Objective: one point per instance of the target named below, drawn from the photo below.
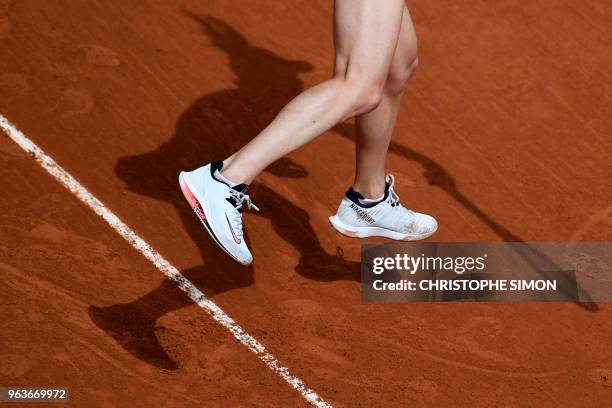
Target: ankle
(371, 192)
(234, 175)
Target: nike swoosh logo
(236, 239)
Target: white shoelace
(393, 199)
(240, 198)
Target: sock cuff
(224, 179)
(372, 200)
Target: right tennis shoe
(359, 218)
(219, 206)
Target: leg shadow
(134, 325)
(213, 127)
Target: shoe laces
(239, 199)
(393, 199)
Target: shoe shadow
(213, 127)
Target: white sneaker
(219, 206)
(387, 218)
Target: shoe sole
(200, 212)
(365, 232)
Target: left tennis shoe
(218, 205)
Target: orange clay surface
(503, 135)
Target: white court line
(159, 261)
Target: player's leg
(371, 207)
(374, 129)
(365, 34)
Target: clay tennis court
(504, 135)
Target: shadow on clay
(213, 127)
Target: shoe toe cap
(241, 253)
(246, 258)
(425, 224)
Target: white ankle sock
(221, 177)
(373, 200)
